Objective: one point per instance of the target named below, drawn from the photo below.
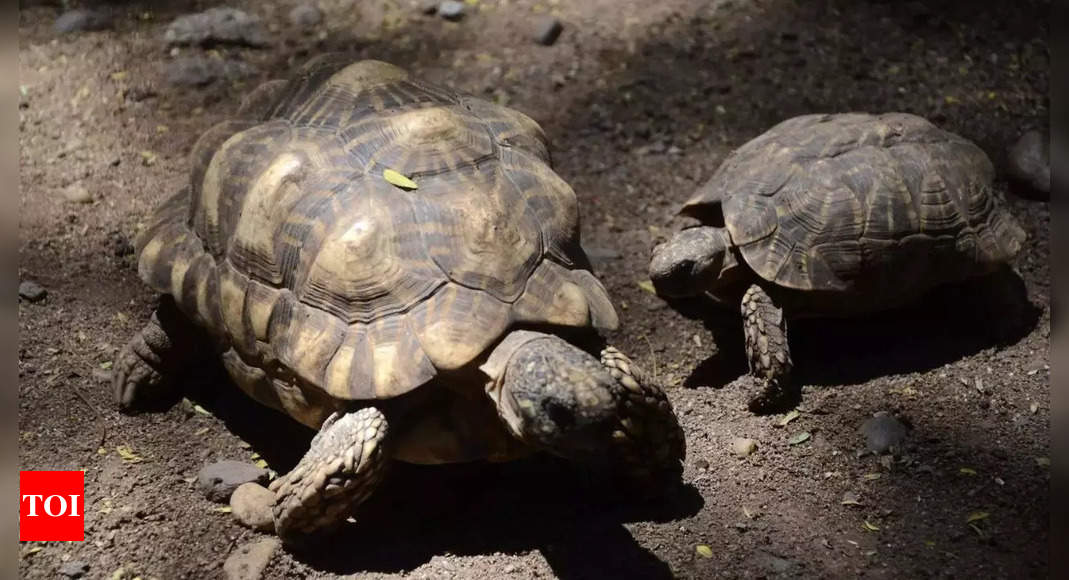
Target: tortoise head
(694, 261)
(558, 398)
(552, 395)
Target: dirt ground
(641, 101)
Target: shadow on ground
(949, 323)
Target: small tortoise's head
(694, 261)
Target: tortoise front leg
(341, 469)
(649, 438)
(765, 329)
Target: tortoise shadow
(516, 507)
(480, 508)
(947, 324)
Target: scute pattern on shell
(854, 201)
(312, 268)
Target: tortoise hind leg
(765, 329)
(148, 369)
(341, 469)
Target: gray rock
(451, 10)
(219, 480)
(743, 447)
(74, 569)
(1029, 163)
(32, 291)
(200, 71)
(883, 432)
(83, 20)
(251, 506)
(248, 562)
(220, 25)
(306, 15)
(547, 30)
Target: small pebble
(251, 506)
(219, 480)
(743, 447)
(883, 432)
(1029, 163)
(83, 20)
(248, 562)
(547, 30)
(74, 569)
(451, 10)
(77, 193)
(32, 291)
(306, 15)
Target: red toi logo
(51, 506)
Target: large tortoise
(834, 215)
(396, 265)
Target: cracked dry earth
(641, 102)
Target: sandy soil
(641, 101)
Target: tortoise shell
(854, 202)
(327, 282)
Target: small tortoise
(396, 265)
(835, 215)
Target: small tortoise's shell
(314, 269)
(854, 201)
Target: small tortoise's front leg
(765, 329)
(341, 469)
(149, 366)
(649, 439)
